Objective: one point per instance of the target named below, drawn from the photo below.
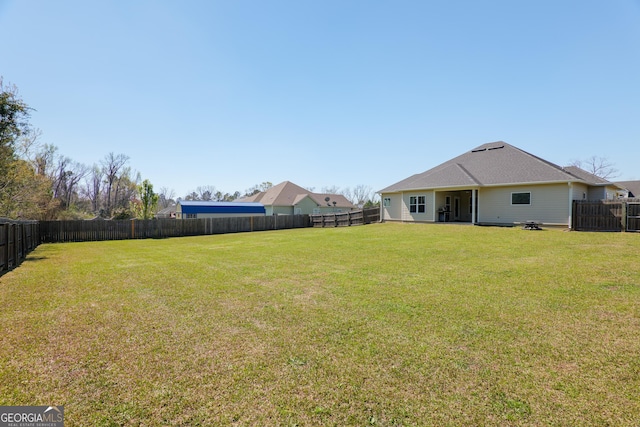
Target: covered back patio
(456, 205)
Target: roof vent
(477, 150)
(496, 148)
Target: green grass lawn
(384, 325)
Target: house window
(417, 204)
(386, 202)
(192, 216)
(521, 198)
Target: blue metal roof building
(187, 209)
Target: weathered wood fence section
(17, 239)
(83, 231)
(345, 219)
(606, 215)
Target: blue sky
(325, 93)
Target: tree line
(38, 182)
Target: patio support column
(473, 206)
(434, 207)
(570, 204)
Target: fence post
(623, 215)
(4, 249)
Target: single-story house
(494, 184)
(192, 209)
(166, 213)
(632, 187)
(288, 198)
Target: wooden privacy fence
(345, 219)
(606, 215)
(17, 239)
(83, 231)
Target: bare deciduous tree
(598, 166)
(206, 192)
(258, 188)
(71, 178)
(166, 197)
(360, 194)
(93, 187)
(111, 167)
(334, 189)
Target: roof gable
(289, 194)
(283, 194)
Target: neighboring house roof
(632, 186)
(321, 199)
(199, 206)
(586, 176)
(167, 211)
(289, 194)
(494, 163)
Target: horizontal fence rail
(345, 219)
(606, 215)
(17, 239)
(97, 230)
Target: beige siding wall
(600, 193)
(549, 204)
(427, 215)
(580, 191)
(393, 212)
(280, 210)
(611, 192)
(596, 193)
(306, 206)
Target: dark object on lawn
(531, 225)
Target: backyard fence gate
(606, 215)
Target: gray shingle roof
(494, 163)
(632, 186)
(289, 194)
(585, 176)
